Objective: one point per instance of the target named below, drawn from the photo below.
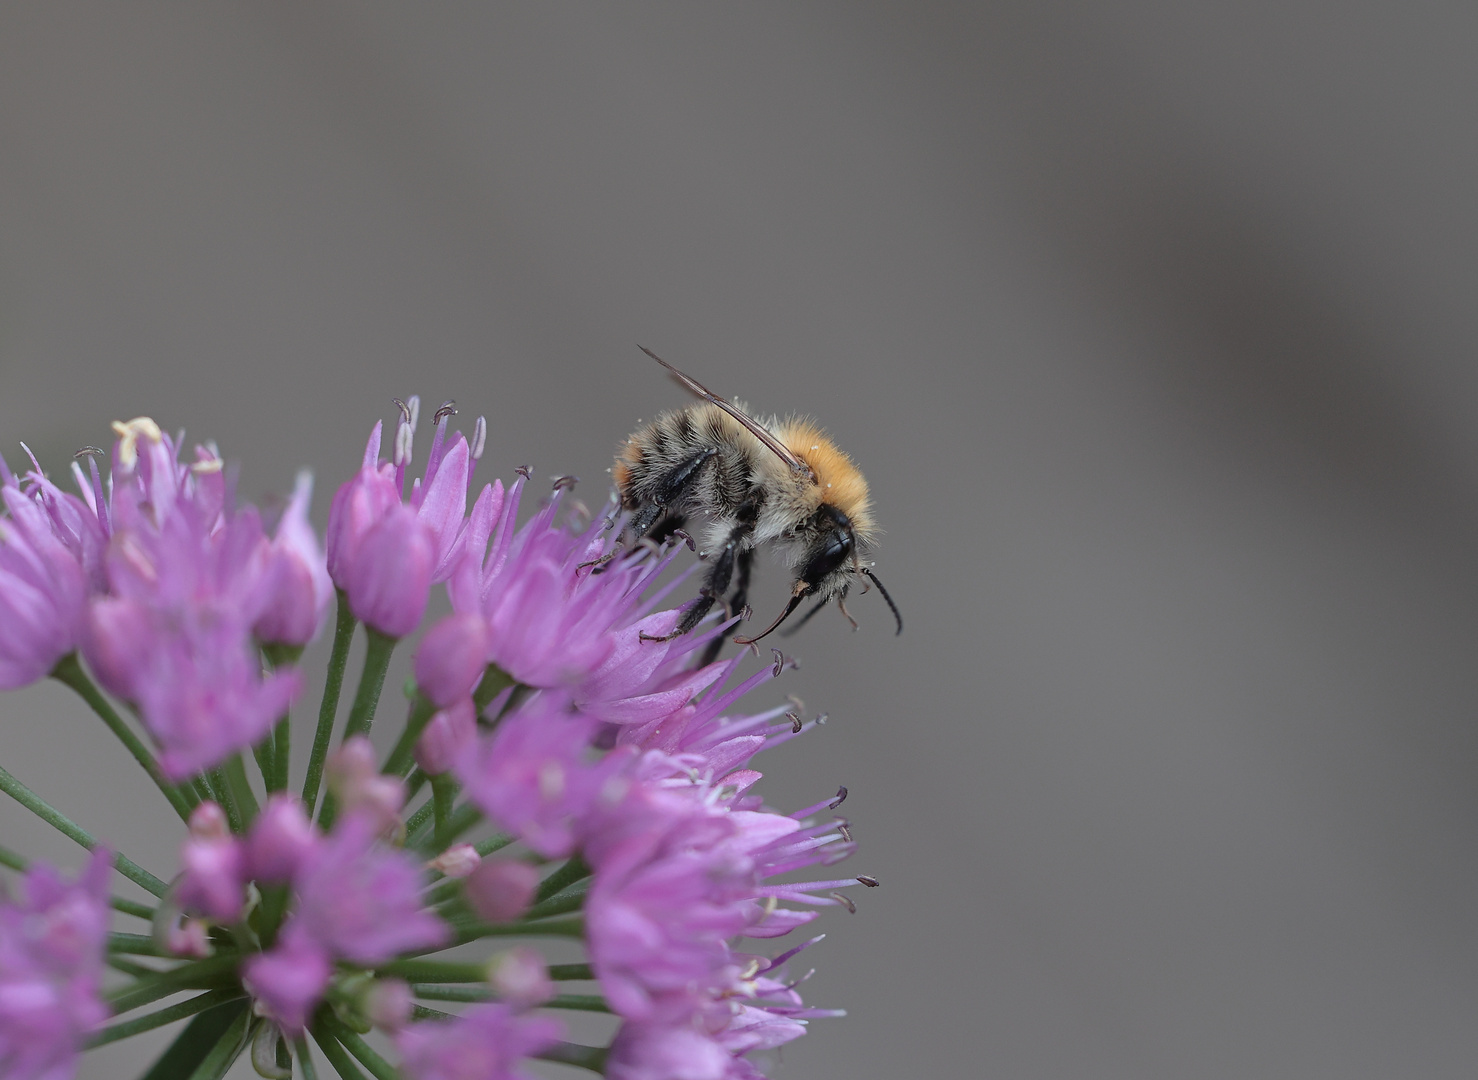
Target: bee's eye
(834, 550)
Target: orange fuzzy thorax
(839, 482)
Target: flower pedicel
(569, 770)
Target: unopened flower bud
(358, 784)
(387, 1003)
(521, 978)
(457, 861)
(282, 839)
(451, 658)
(188, 938)
(214, 877)
(445, 737)
(501, 889)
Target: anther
(89, 451)
(567, 481)
(479, 437)
(844, 829)
(868, 880)
(846, 902)
(525, 471)
(405, 410)
(744, 615)
(779, 662)
(841, 798)
(796, 703)
(405, 436)
(823, 718)
(795, 723)
(679, 534)
(448, 409)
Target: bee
(740, 483)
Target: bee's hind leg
(715, 584)
(739, 601)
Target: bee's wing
(758, 430)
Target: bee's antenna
(795, 601)
(805, 618)
(891, 606)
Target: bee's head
(827, 562)
(829, 556)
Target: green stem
(38, 806)
(563, 904)
(403, 756)
(164, 1016)
(136, 945)
(198, 975)
(420, 1012)
(378, 1066)
(337, 1056)
(266, 754)
(226, 798)
(561, 972)
(458, 821)
(128, 967)
(414, 783)
(377, 650)
(68, 671)
(443, 795)
(328, 708)
(241, 792)
(415, 821)
(585, 1057)
(304, 1058)
(575, 1002)
(282, 745)
(468, 931)
(218, 1061)
(128, 907)
(573, 870)
(494, 681)
(435, 971)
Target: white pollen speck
(815, 448)
(828, 485)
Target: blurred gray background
(1151, 323)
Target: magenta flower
(487, 1042)
(289, 982)
(361, 900)
(451, 658)
(296, 579)
(52, 942)
(384, 554)
(552, 620)
(537, 773)
(214, 867)
(43, 593)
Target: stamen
(846, 902)
(448, 409)
(89, 450)
(868, 880)
(525, 471)
(479, 437)
(841, 798)
(844, 829)
(566, 481)
(795, 722)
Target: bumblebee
(738, 483)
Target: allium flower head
(52, 941)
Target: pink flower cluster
(52, 939)
(165, 587)
(554, 706)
